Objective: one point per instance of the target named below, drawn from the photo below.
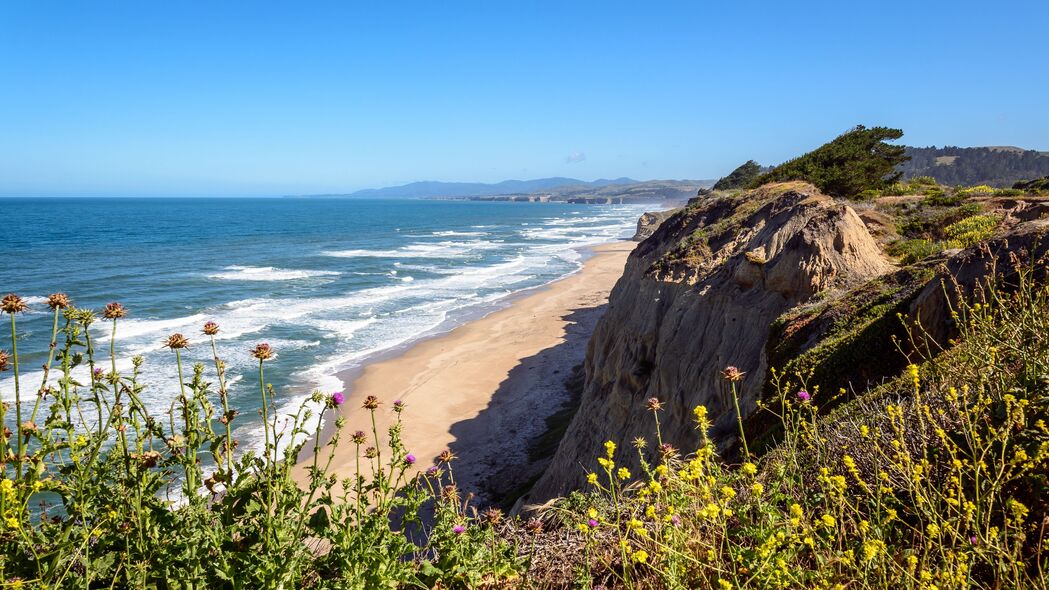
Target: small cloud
(575, 158)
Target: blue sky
(267, 98)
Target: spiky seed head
(534, 526)
(262, 351)
(176, 341)
(653, 404)
(58, 301)
(446, 456)
(492, 515)
(371, 402)
(12, 304)
(5, 359)
(211, 328)
(732, 374)
(114, 311)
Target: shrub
(741, 177)
(972, 230)
(855, 161)
(911, 251)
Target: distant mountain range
(431, 188)
(998, 166)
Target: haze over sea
(327, 282)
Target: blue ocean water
(327, 283)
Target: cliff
(783, 277)
(697, 296)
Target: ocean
(328, 283)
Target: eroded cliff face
(699, 295)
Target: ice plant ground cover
(936, 479)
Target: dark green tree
(740, 177)
(855, 161)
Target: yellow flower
(610, 448)
(12, 523)
(724, 585)
(592, 512)
(701, 413)
(808, 541)
(728, 492)
(795, 510)
(757, 489)
(828, 520)
(604, 463)
(932, 529)
(583, 527)
(591, 478)
(650, 512)
(661, 470)
(865, 430)
(872, 548)
(7, 486)
(750, 468)
(655, 486)
(623, 473)
(640, 556)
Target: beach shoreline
(485, 388)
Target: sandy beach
(485, 389)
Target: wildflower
(732, 374)
(872, 549)
(675, 520)
(667, 450)
(446, 456)
(371, 453)
(592, 523)
(176, 341)
(804, 396)
(114, 311)
(828, 520)
(750, 468)
(5, 359)
(459, 529)
(13, 304)
(655, 487)
(728, 492)
(7, 486)
(337, 399)
(639, 443)
(701, 413)
(650, 511)
(262, 351)
(591, 478)
(653, 404)
(610, 448)
(211, 328)
(724, 584)
(409, 459)
(757, 489)
(661, 470)
(398, 406)
(932, 529)
(623, 473)
(795, 511)
(359, 437)
(58, 301)
(371, 402)
(640, 556)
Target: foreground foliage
(935, 480)
(98, 492)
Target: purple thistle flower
(409, 459)
(432, 470)
(592, 523)
(676, 520)
(337, 399)
(459, 529)
(804, 395)
(398, 406)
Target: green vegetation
(91, 481)
(972, 230)
(741, 177)
(935, 480)
(1036, 185)
(994, 166)
(852, 163)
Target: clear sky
(267, 98)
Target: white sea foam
(268, 273)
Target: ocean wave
(268, 273)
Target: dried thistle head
(640, 443)
(114, 311)
(446, 456)
(5, 359)
(534, 526)
(667, 450)
(58, 301)
(176, 341)
(359, 437)
(492, 515)
(732, 374)
(371, 402)
(398, 406)
(262, 351)
(450, 492)
(371, 453)
(211, 328)
(12, 304)
(653, 404)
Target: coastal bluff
(780, 276)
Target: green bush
(972, 230)
(911, 251)
(855, 161)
